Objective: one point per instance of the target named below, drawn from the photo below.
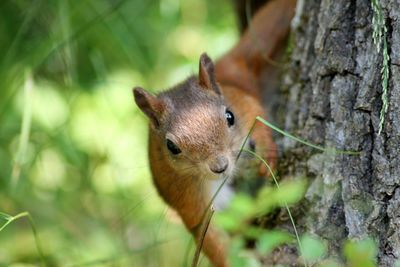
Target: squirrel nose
(219, 165)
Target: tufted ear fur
(149, 104)
(207, 75)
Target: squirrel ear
(206, 74)
(149, 104)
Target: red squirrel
(197, 127)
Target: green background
(72, 142)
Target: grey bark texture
(333, 90)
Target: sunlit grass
(79, 142)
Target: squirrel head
(197, 131)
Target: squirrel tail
(241, 9)
(261, 43)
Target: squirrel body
(197, 127)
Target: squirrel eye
(173, 148)
(229, 117)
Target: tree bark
(333, 90)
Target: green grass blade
(114, 7)
(204, 227)
(25, 214)
(12, 218)
(286, 205)
(329, 150)
(32, 11)
(245, 140)
(25, 130)
(5, 216)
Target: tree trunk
(334, 91)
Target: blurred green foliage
(72, 142)
(312, 250)
(238, 218)
(244, 208)
(362, 253)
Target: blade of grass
(5, 216)
(329, 150)
(114, 7)
(26, 214)
(286, 205)
(25, 131)
(205, 221)
(204, 228)
(245, 140)
(129, 31)
(65, 27)
(32, 11)
(10, 218)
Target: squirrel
(197, 127)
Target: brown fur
(192, 116)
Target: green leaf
(252, 232)
(291, 192)
(270, 240)
(235, 250)
(242, 205)
(313, 248)
(227, 221)
(287, 193)
(239, 257)
(240, 210)
(361, 253)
